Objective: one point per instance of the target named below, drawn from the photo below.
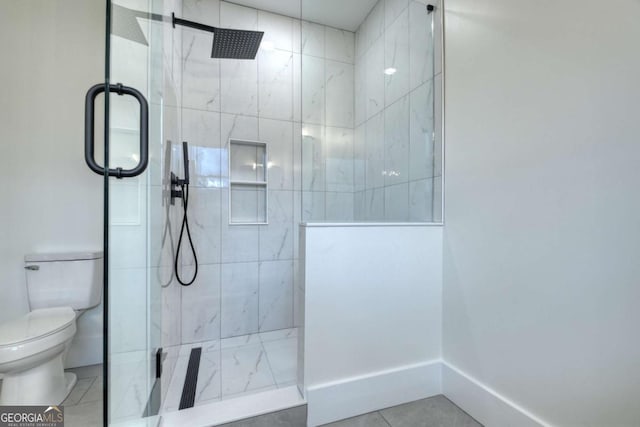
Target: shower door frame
(152, 344)
(105, 225)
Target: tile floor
(233, 367)
(83, 406)
(437, 411)
(251, 364)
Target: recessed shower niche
(248, 203)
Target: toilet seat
(35, 325)
(35, 336)
(26, 340)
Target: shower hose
(185, 226)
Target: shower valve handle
(176, 187)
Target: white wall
(542, 228)
(372, 317)
(53, 52)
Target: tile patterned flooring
(437, 411)
(83, 406)
(250, 364)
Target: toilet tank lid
(63, 256)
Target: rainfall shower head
(235, 44)
(228, 43)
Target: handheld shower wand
(180, 189)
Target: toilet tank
(72, 279)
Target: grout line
(323, 145)
(86, 391)
(253, 116)
(408, 95)
(72, 390)
(459, 409)
(383, 417)
(383, 111)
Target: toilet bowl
(33, 347)
(32, 350)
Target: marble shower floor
(229, 368)
(234, 367)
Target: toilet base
(45, 384)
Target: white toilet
(33, 347)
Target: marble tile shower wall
(328, 111)
(140, 216)
(246, 272)
(397, 147)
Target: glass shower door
(133, 346)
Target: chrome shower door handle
(89, 129)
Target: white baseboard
(359, 395)
(484, 404)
